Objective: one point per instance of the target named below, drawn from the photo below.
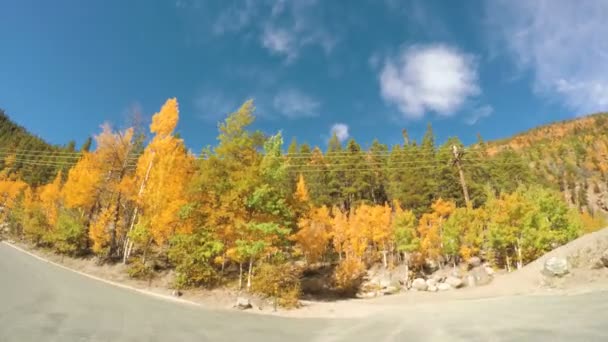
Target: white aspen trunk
(128, 243)
(240, 276)
(249, 275)
(520, 262)
(508, 264)
(384, 261)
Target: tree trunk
(249, 275)
(465, 190)
(520, 262)
(240, 276)
(128, 243)
(407, 273)
(384, 262)
(508, 263)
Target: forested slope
(249, 211)
(28, 156)
(571, 156)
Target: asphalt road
(41, 302)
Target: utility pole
(457, 162)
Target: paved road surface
(41, 302)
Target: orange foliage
(98, 231)
(430, 226)
(50, 195)
(84, 182)
(165, 167)
(314, 233)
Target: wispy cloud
(340, 130)
(478, 114)
(562, 43)
(284, 27)
(280, 41)
(430, 78)
(295, 104)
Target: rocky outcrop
(454, 282)
(419, 284)
(556, 267)
(443, 287)
(243, 303)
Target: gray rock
(389, 290)
(367, 294)
(489, 270)
(432, 288)
(176, 293)
(471, 281)
(474, 262)
(480, 276)
(556, 267)
(444, 287)
(419, 284)
(431, 282)
(604, 258)
(454, 282)
(243, 303)
(439, 278)
(597, 264)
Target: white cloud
(281, 42)
(478, 114)
(563, 43)
(294, 104)
(341, 131)
(427, 78)
(284, 27)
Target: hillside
(246, 213)
(26, 156)
(571, 156)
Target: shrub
(348, 276)
(280, 282)
(139, 270)
(69, 235)
(193, 256)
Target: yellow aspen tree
(359, 231)
(98, 230)
(9, 190)
(339, 231)
(163, 172)
(50, 195)
(430, 228)
(83, 185)
(382, 234)
(301, 194)
(314, 234)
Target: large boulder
(604, 258)
(431, 282)
(478, 276)
(454, 282)
(474, 262)
(243, 303)
(556, 267)
(443, 287)
(432, 288)
(419, 284)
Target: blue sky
(365, 68)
